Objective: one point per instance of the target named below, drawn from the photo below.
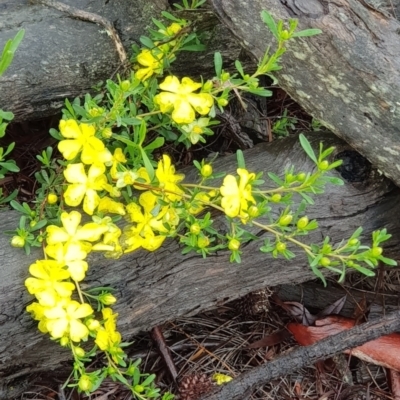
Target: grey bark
(156, 287)
(63, 57)
(348, 77)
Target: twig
(308, 355)
(87, 16)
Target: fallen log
(62, 56)
(348, 77)
(156, 287)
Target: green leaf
(147, 163)
(260, 92)
(155, 144)
(218, 63)
(7, 115)
(239, 67)
(363, 270)
(305, 144)
(9, 50)
(307, 32)
(147, 42)
(193, 47)
(388, 261)
(167, 15)
(269, 21)
(240, 159)
(276, 179)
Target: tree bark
(64, 57)
(156, 287)
(348, 77)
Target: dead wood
(300, 357)
(348, 77)
(153, 288)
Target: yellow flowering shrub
(109, 169)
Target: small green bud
(111, 370)
(301, 177)
(302, 222)
(203, 242)
(106, 133)
(253, 211)
(285, 220)
(79, 351)
(376, 251)
(353, 242)
(225, 76)
(208, 86)
(276, 198)
(85, 384)
(206, 170)
(234, 245)
(17, 241)
(246, 77)
(96, 111)
(107, 299)
(139, 388)
(195, 229)
(285, 35)
(280, 247)
(222, 102)
(52, 198)
(324, 165)
(130, 370)
(33, 223)
(92, 324)
(125, 85)
(325, 261)
(290, 178)
(350, 263)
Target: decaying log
(155, 287)
(348, 77)
(63, 57)
(241, 387)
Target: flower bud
(276, 198)
(302, 222)
(85, 384)
(206, 170)
(52, 198)
(79, 351)
(253, 211)
(96, 111)
(376, 251)
(325, 261)
(208, 86)
(280, 247)
(107, 299)
(285, 35)
(125, 85)
(301, 177)
(92, 324)
(234, 245)
(285, 220)
(203, 242)
(353, 242)
(324, 165)
(106, 133)
(17, 241)
(138, 388)
(222, 102)
(195, 229)
(225, 76)
(64, 341)
(290, 178)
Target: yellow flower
(220, 379)
(65, 320)
(81, 137)
(236, 198)
(151, 64)
(84, 186)
(197, 203)
(125, 178)
(180, 98)
(168, 180)
(117, 158)
(72, 232)
(108, 205)
(48, 282)
(196, 129)
(71, 255)
(108, 336)
(37, 311)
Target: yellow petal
(69, 128)
(201, 102)
(188, 86)
(75, 173)
(74, 194)
(71, 221)
(90, 202)
(77, 331)
(69, 148)
(171, 84)
(183, 112)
